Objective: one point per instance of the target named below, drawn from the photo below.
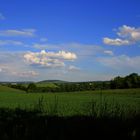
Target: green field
(51, 85)
(76, 103)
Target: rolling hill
(8, 89)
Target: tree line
(129, 81)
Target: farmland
(73, 103)
(111, 114)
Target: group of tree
(130, 81)
(17, 86)
(61, 87)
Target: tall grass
(95, 118)
(95, 103)
(94, 108)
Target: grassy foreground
(127, 101)
(108, 114)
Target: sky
(71, 40)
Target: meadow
(98, 102)
(100, 114)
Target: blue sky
(74, 40)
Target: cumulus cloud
(10, 42)
(115, 42)
(122, 62)
(13, 67)
(132, 33)
(22, 32)
(49, 59)
(128, 35)
(82, 50)
(2, 16)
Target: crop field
(73, 103)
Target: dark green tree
(31, 87)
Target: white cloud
(115, 42)
(10, 42)
(108, 52)
(49, 59)
(2, 16)
(22, 33)
(73, 68)
(14, 68)
(131, 33)
(82, 50)
(128, 35)
(122, 62)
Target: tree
(31, 87)
(130, 81)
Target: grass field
(51, 85)
(111, 114)
(76, 103)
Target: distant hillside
(16, 82)
(46, 84)
(52, 81)
(8, 89)
(49, 83)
